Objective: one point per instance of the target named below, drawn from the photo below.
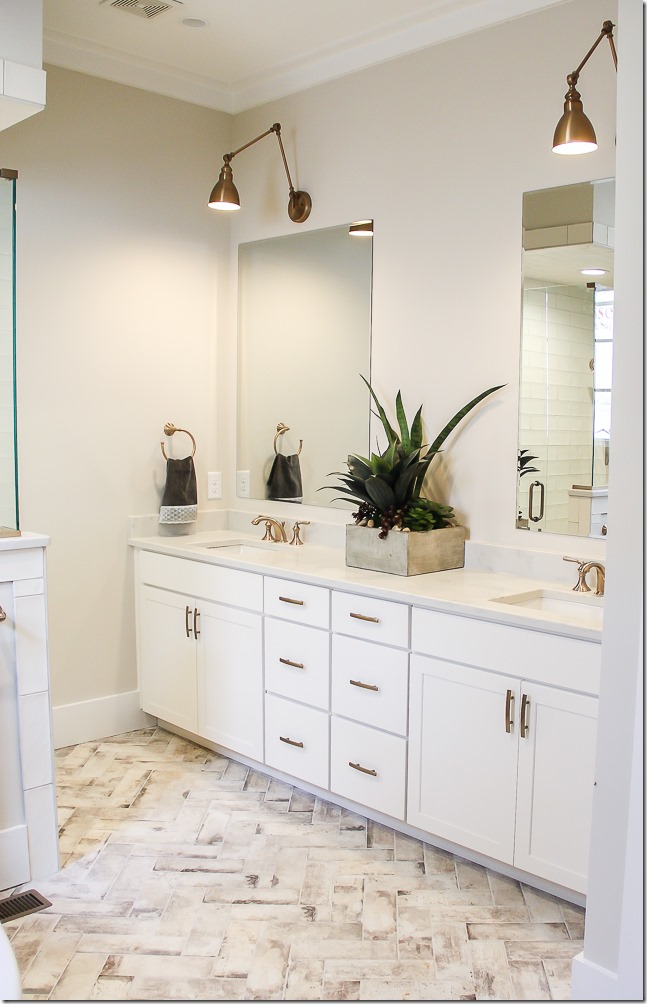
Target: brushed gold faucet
(274, 530)
(583, 567)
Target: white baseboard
(590, 982)
(105, 716)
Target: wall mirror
(566, 359)
(8, 458)
(304, 338)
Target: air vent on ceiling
(141, 8)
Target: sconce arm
(607, 31)
(276, 128)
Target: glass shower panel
(8, 452)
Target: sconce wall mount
(575, 133)
(224, 195)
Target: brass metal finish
(290, 742)
(3, 615)
(196, 629)
(364, 770)
(281, 428)
(288, 599)
(187, 626)
(364, 686)
(225, 194)
(574, 132)
(288, 662)
(363, 617)
(509, 707)
(169, 430)
(600, 578)
(525, 710)
(581, 584)
(296, 530)
(274, 531)
(361, 228)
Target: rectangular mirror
(566, 357)
(304, 338)
(8, 459)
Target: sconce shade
(225, 194)
(361, 228)
(574, 133)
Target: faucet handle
(578, 561)
(581, 584)
(296, 538)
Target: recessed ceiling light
(194, 22)
(593, 271)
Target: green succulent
(387, 486)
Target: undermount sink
(584, 608)
(249, 547)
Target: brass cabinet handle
(3, 615)
(509, 707)
(287, 599)
(187, 614)
(364, 686)
(364, 770)
(363, 617)
(525, 708)
(290, 742)
(288, 662)
(196, 630)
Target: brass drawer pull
(288, 662)
(290, 742)
(3, 615)
(509, 706)
(196, 630)
(187, 614)
(363, 617)
(364, 686)
(525, 708)
(286, 599)
(364, 770)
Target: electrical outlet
(243, 485)
(214, 485)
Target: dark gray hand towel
(180, 498)
(284, 482)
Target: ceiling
(248, 52)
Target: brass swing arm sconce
(225, 194)
(574, 132)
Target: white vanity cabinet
(501, 763)
(200, 649)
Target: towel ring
(280, 430)
(169, 429)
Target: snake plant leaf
(405, 438)
(390, 434)
(380, 493)
(451, 425)
(416, 430)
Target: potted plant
(391, 525)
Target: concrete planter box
(405, 553)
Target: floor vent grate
(19, 906)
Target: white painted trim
(590, 982)
(99, 718)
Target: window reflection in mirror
(8, 466)
(566, 359)
(304, 332)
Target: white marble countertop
(26, 539)
(465, 591)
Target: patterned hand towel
(180, 498)
(284, 482)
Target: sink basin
(581, 608)
(249, 547)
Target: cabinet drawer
(375, 620)
(306, 754)
(534, 655)
(297, 662)
(203, 581)
(381, 784)
(370, 683)
(297, 601)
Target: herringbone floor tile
(186, 876)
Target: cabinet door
(555, 785)
(462, 761)
(230, 678)
(167, 674)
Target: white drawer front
(375, 620)
(533, 655)
(379, 753)
(297, 601)
(297, 662)
(296, 740)
(196, 578)
(370, 683)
